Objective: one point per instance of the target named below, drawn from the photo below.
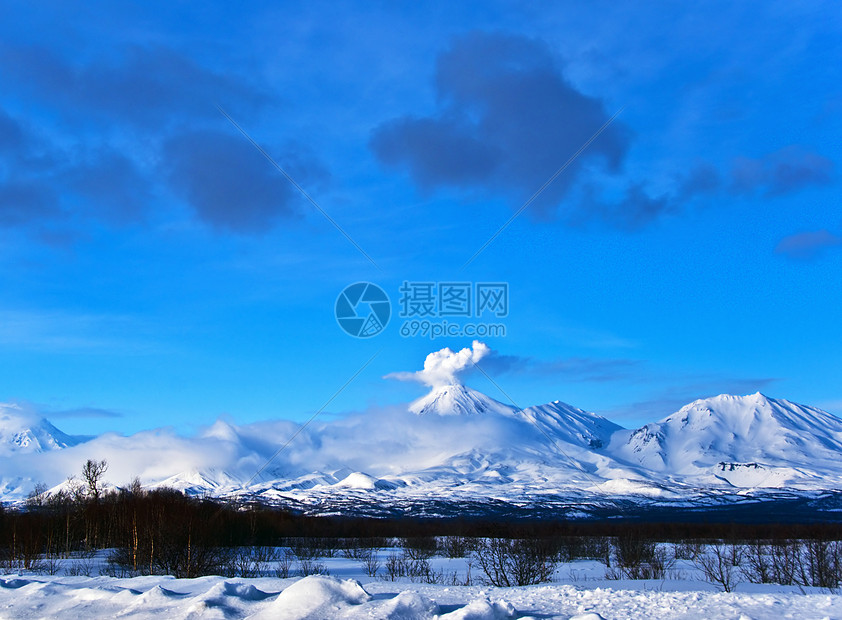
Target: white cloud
(441, 367)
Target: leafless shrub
(821, 564)
(311, 567)
(757, 565)
(456, 546)
(305, 548)
(687, 550)
(83, 567)
(785, 558)
(370, 562)
(572, 548)
(283, 565)
(515, 562)
(395, 568)
(249, 562)
(720, 565)
(359, 548)
(412, 568)
(51, 564)
(117, 570)
(640, 558)
(420, 547)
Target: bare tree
(134, 487)
(370, 562)
(38, 496)
(92, 472)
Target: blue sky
(158, 270)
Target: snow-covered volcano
(556, 420)
(457, 399)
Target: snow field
(320, 597)
(579, 590)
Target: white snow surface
(454, 443)
(328, 597)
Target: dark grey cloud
(781, 172)
(42, 183)
(808, 245)
(229, 184)
(507, 120)
(701, 180)
(65, 176)
(142, 86)
(784, 171)
(636, 209)
(110, 186)
(23, 197)
(24, 202)
(11, 134)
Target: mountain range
(460, 446)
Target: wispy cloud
(669, 400)
(82, 412)
(808, 245)
(597, 370)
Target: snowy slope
(742, 440)
(571, 424)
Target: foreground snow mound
(409, 605)
(482, 609)
(316, 597)
(154, 597)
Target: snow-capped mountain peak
(457, 399)
(736, 431)
(22, 431)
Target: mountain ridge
(456, 441)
